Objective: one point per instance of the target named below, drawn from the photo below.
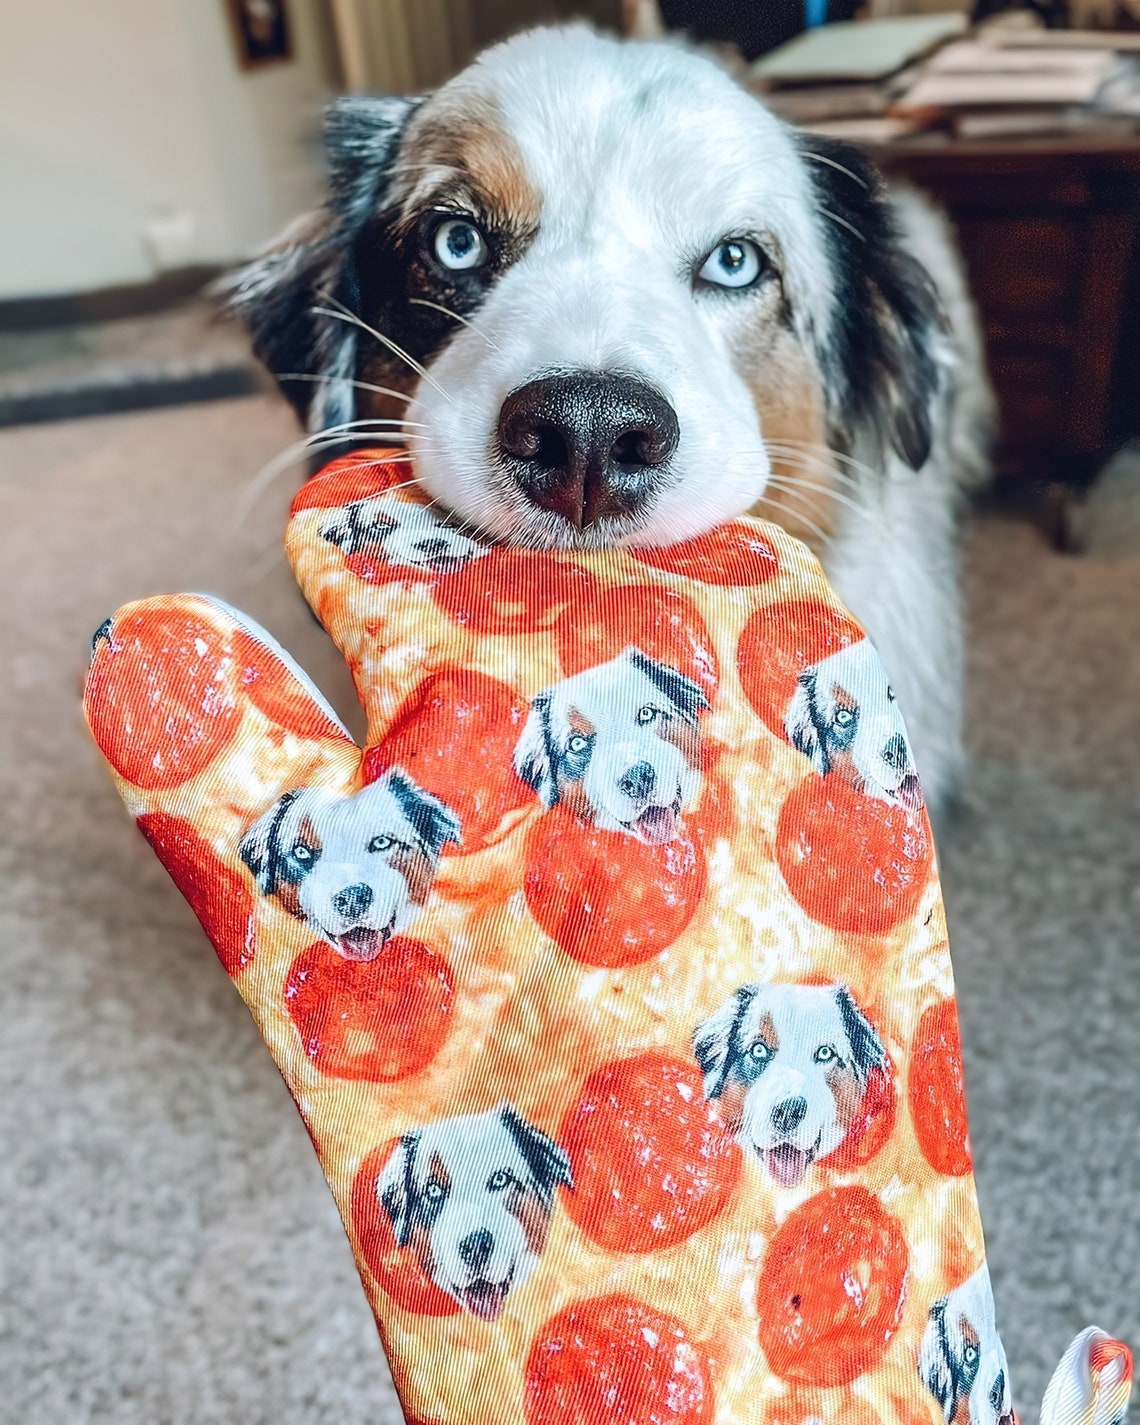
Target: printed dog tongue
(485, 1299)
(361, 943)
(657, 825)
(787, 1164)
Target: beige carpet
(168, 1251)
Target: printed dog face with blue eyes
(355, 869)
(962, 1360)
(472, 1197)
(845, 718)
(619, 744)
(401, 532)
(787, 1066)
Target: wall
(116, 114)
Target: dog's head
(402, 533)
(844, 716)
(788, 1066)
(616, 276)
(355, 869)
(472, 1198)
(619, 744)
(962, 1359)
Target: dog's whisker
(795, 460)
(447, 312)
(358, 385)
(344, 315)
(794, 514)
(839, 168)
(790, 486)
(850, 460)
(843, 223)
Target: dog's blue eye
(647, 713)
(578, 743)
(499, 1180)
(382, 843)
(759, 1051)
(434, 1191)
(825, 1053)
(970, 1355)
(844, 717)
(737, 262)
(459, 245)
(301, 852)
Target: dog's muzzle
(587, 445)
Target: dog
(845, 717)
(355, 869)
(619, 744)
(962, 1359)
(620, 301)
(472, 1197)
(402, 533)
(787, 1066)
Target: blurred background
(169, 1251)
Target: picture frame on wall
(262, 32)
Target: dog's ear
(267, 840)
(802, 722)
(686, 696)
(934, 1363)
(716, 1042)
(433, 821)
(535, 753)
(548, 1163)
(357, 526)
(396, 1188)
(881, 356)
(866, 1046)
(313, 264)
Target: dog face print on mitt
(610, 976)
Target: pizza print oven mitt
(610, 978)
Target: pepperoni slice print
(455, 736)
(353, 477)
(936, 1091)
(511, 591)
(661, 622)
(219, 897)
(652, 1161)
(735, 554)
(832, 1288)
(396, 1269)
(605, 897)
(274, 690)
(610, 1359)
(854, 862)
(162, 695)
(377, 1020)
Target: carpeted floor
(168, 1251)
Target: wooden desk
(1050, 230)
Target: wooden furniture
(1050, 230)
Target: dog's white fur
(646, 155)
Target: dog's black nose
(787, 1116)
(638, 782)
(585, 445)
(352, 901)
(476, 1248)
(895, 752)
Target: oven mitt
(611, 978)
